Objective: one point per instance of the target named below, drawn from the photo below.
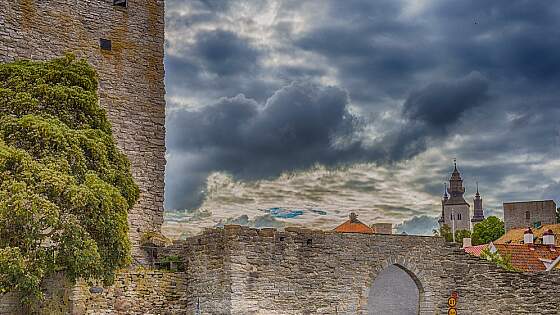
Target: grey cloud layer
(486, 71)
(297, 127)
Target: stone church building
(455, 210)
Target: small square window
(105, 44)
(120, 3)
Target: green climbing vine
(65, 188)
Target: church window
(527, 215)
(120, 3)
(458, 216)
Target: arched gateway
(395, 290)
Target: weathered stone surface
(240, 271)
(131, 76)
(515, 213)
(134, 292)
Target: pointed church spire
(478, 214)
(477, 193)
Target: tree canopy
(65, 188)
(488, 230)
(445, 232)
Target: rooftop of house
(515, 236)
(529, 257)
(353, 225)
(476, 250)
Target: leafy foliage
(445, 232)
(488, 230)
(502, 261)
(65, 188)
(461, 234)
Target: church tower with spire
(478, 214)
(455, 209)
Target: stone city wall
(131, 76)
(139, 292)
(149, 292)
(239, 270)
(486, 289)
(300, 271)
(208, 269)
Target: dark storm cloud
(298, 126)
(441, 104)
(432, 110)
(216, 64)
(511, 39)
(486, 71)
(187, 77)
(371, 49)
(224, 53)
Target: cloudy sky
(358, 106)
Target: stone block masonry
(244, 271)
(529, 213)
(238, 270)
(139, 291)
(131, 77)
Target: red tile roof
(527, 257)
(353, 225)
(476, 250)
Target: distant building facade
(529, 214)
(382, 228)
(455, 210)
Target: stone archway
(395, 290)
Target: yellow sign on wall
(452, 302)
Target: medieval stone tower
(123, 40)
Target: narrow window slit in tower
(120, 3)
(105, 44)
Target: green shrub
(501, 261)
(488, 230)
(65, 188)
